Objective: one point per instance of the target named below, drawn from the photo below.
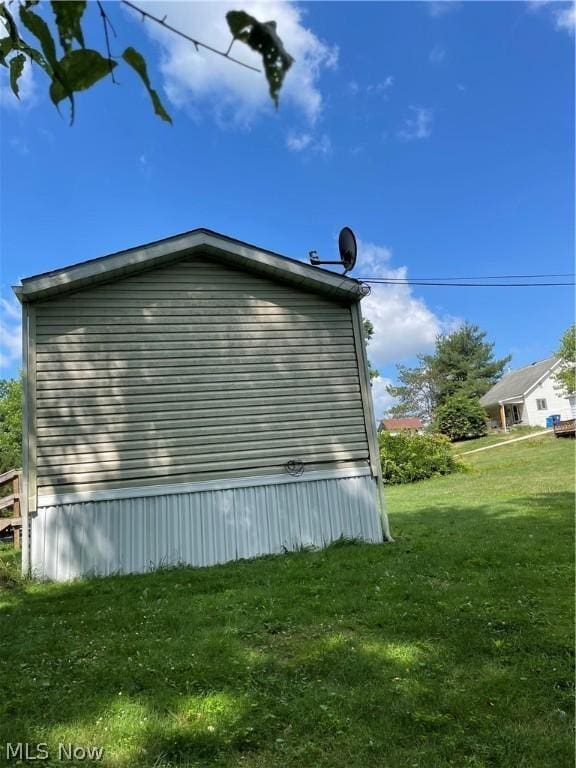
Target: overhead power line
(481, 277)
(392, 281)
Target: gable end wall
(189, 372)
(555, 402)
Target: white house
(528, 396)
(193, 400)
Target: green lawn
(495, 437)
(451, 647)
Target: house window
(541, 404)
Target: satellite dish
(348, 248)
(348, 251)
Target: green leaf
(11, 27)
(6, 46)
(16, 43)
(68, 17)
(16, 68)
(40, 30)
(81, 69)
(138, 64)
(263, 38)
(36, 56)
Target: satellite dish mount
(348, 251)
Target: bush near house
(407, 457)
(461, 417)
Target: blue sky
(443, 133)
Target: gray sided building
(195, 400)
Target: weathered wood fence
(11, 524)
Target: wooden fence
(11, 524)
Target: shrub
(461, 417)
(407, 457)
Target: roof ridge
(529, 365)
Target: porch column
(503, 417)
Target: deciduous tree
(461, 417)
(416, 391)
(10, 424)
(565, 376)
(368, 332)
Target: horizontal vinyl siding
(194, 369)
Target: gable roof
(518, 383)
(407, 423)
(212, 244)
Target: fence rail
(11, 524)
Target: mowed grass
(451, 647)
(494, 438)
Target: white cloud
(403, 324)
(200, 79)
(437, 54)
(566, 18)
(298, 143)
(26, 85)
(10, 332)
(372, 89)
(380, 397)
(417, 127)
(305, 141)
(381, 87)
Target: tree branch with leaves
(368, 332)
(29, 40)
(565, 376)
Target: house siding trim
(138, 492)
(369, 416)
(28, 498)
(125, 263)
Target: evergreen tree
(463, 363)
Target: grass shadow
(452, 647)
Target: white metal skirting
(200, 527)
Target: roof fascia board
(103, 270)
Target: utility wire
(385, 281)
(480, 277)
